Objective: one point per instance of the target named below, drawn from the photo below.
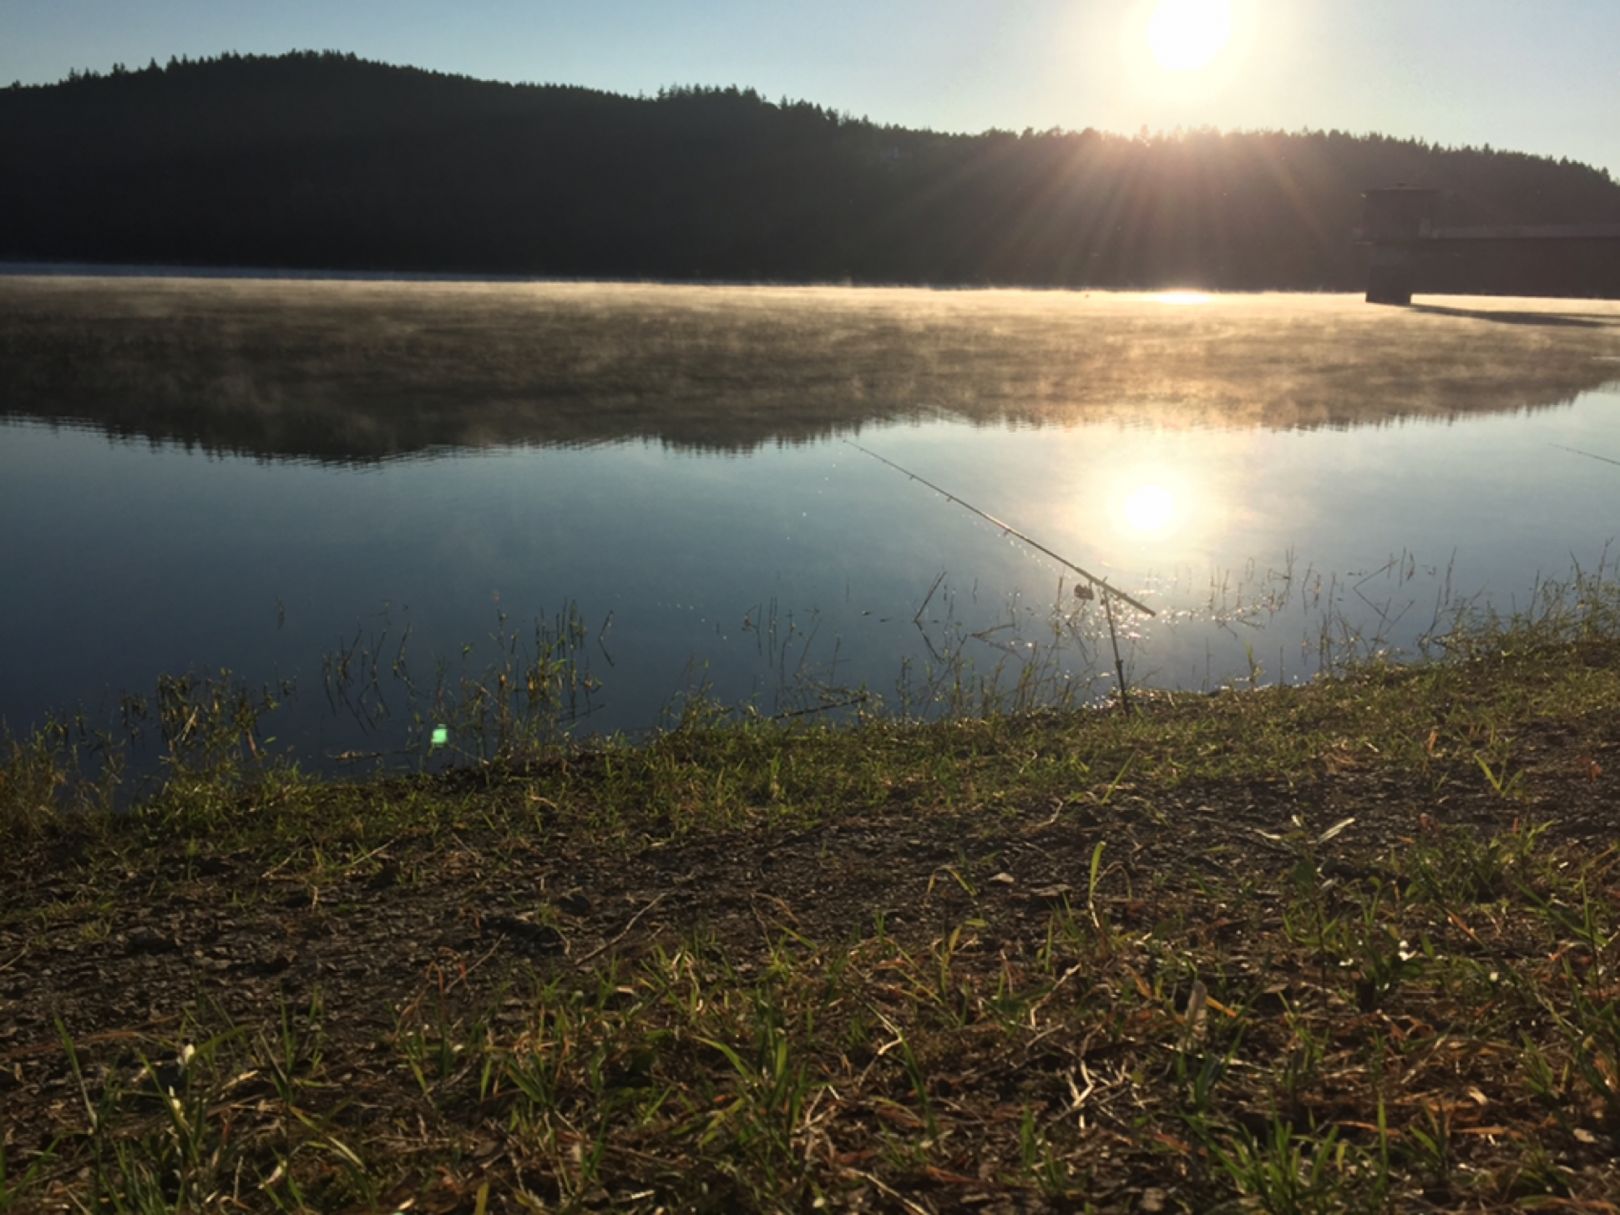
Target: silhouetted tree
(322, 159)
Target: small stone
(1005, 879)
(1153, 1200)
(148, 940)
(271, 964)
(525, 933)
(574, 903)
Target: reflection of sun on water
(1149, 510)
(1153, 507)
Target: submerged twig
(826, 708)
(927, 599)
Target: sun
(1185, 35)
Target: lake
(401, 504)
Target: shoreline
(1341, 945)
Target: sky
(1531, 75)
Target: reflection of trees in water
(358, 371)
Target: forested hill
(327, 161)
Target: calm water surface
(786, 577)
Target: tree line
(324, 160)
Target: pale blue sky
(1535, 75)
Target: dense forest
(323, 160)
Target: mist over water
(374, 492)
(355, 371)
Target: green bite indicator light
(441, 736)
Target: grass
(1344, 946)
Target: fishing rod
(1010, 530)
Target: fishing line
(1009, 529)
(1590, 455)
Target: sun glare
(1152, 504)
(1185, 35)
(1149, 510)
